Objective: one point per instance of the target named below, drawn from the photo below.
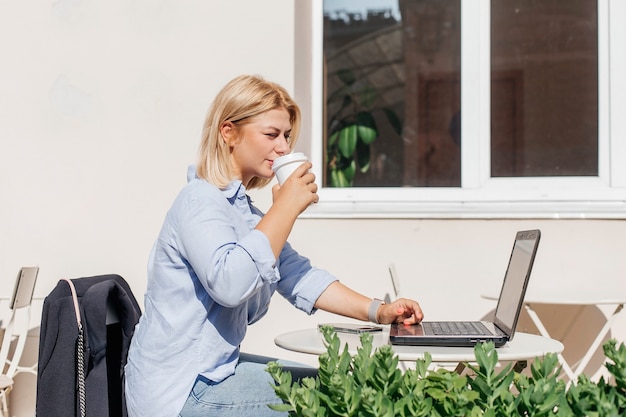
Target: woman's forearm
(339, 299)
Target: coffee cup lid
(286, 159)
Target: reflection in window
(392, 93)
(544, 88)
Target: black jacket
(106, 347)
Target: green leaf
(347, 141)
(346, 76)
(338, 179)
(281, 407)
(349, 172)
(366, 127)
(367, 134)
(393, 119)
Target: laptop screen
(515, 280)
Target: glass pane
(544, 88)
(392, 93)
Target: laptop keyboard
(455, 328)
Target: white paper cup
(284, 166)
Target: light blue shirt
(210, 274)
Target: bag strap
(80, 352)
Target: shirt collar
(232, 191)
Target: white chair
(15, 333)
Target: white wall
(101, 105)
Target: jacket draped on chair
(105, 347)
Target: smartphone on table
(353, 328)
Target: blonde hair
(242, 99)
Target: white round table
(523, 347)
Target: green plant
(370, 384)
(602, 399)
(352, 129)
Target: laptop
(469, 333)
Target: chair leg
(4, 396)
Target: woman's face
(259, 142)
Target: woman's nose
(283, 144)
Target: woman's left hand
(401, 311)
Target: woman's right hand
(289, 200)
(299, 190)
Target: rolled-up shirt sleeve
(301, 284)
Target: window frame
(479, 196)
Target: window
(456, 108)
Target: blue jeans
(246, 393)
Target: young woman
(218, 260)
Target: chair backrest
(16, 330)
(24, 287)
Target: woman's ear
(227, 132)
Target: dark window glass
(392, 93)
(544, 88)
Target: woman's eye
(276, 135)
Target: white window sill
(566, 198)
(467, 210)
